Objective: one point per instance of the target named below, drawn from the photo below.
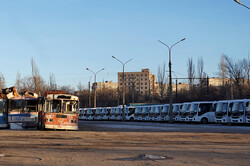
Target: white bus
(247, 112)
(138, 113)
(184, 112)
(89, 114)
(82, 113)
(176, 111)
(203, 112)
(223, 111)
(112, 113)
(165, 112)
(238, 114)
(151, 113)
(97, 112)
(118, 113)
(157, 113)
(145, 113)
(130, 113)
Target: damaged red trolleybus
(60, 112)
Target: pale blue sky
(66, 36)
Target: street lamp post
(123, 86)
(241, 4)
(95, 84)
(170, 79)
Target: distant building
(142, 82)
(106, 85)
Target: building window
(141, 87)
(125, 75)
(146, 87)
(146, 83)
(137, 83)
(120, 79)
(141, 83)
(145, 79)
(141, 74)
(137, 75)
(120, 75)
(141, 79)
(145, 74)
(137, 87)
(120, 83)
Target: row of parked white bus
(226, 111)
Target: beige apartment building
(106, 85)
(142, 82)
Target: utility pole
(89, 96)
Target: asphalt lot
(120, 126)
(128, 143)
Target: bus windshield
(194, 108)
(64, 106)
(176, 108)
(238, 108)
(221, 108)
(186, 107)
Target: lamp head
(113, 57)
(87, 68)
(183, 39)
(238, 2)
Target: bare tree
(2, 81)
(26, 83)
(162, 80)
(52, 82)
(246, 63)
(39, 83)
(80, 87)
(236, 72)
(191, 72)
(222, 69)
(67, 89)
(200, 72)
(18, 81)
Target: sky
(64, 37)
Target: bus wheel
(131, 119)
(204, 120)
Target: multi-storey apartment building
(142, 82)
